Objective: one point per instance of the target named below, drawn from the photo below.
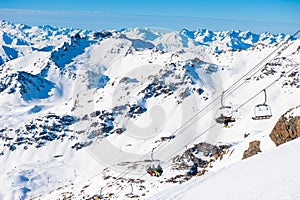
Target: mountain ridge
(80, 108)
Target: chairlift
(262, 111)
(156, 171)
(224, 114)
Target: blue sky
(274, 16)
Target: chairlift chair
(262, 111)
(151, 167)
(224, 113)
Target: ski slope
(83, 110)
(271, 175)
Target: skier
(194, 170)
(149, 171)
(227, 120)
(156, 173)
(226, 125)
(159, 169)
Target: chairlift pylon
(262, 111)
(101, 196)
(131, 193)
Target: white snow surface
(271, 175)
(82, 110)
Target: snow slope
(79, 108)
(271, 175)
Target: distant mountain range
(83, 113)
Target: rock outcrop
(253, 149)
(287, 128)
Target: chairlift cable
(231, 87)
(264, 89)
(258, 65)
(207, 107)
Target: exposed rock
(246, 135)
(38, 132)
(252, 150)
(167, 138)
(80, 145)
(209, 153)
(286, 129)
(103, 34)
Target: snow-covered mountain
(195, 40)
(84, 113)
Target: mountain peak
(72, 100)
